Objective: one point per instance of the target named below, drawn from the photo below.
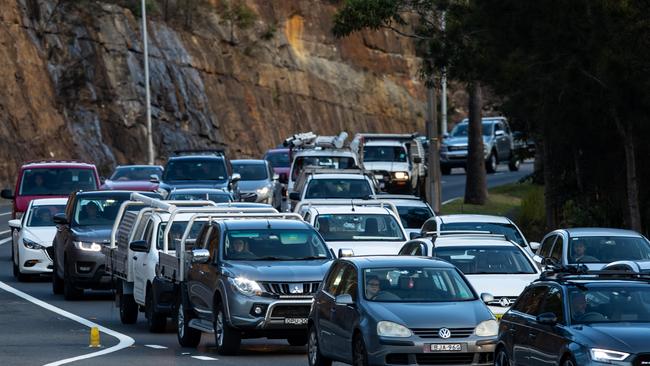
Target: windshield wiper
(271, 258)
(311, 257)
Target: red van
(49, 179)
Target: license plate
(443, 347)
(295, 321)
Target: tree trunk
(538, 165)
(476, 183)
(632, 183)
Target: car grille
(291, 311)
(50, 251)
(642, 360)
(504, 301)
(433, 332)
(291, 289)
(457, 148)
(444, 358)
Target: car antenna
(352, 202)
(268, 224)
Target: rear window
(130, 173)
(195, 169)
(338, 188)
(278, 159)
(97, 211)
(56, 181)
(251, 171)
(41, 216)
(413, 217)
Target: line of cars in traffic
(357, 275)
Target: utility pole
(434, 189)
(443, 86)
(150, 155)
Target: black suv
(572, 316)
(199, 169)
(81, 231)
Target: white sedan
(33, 235)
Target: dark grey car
(258, 182)
(399, 311)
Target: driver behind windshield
(239, 250)
(373, 287)
(580, 252)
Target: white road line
(205, 358)
(125, 341)
(5, 213)
(4, 232)
(450, 201)
(5, 240)
(155, 346)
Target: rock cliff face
(73, 86)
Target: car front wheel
(187, 336)
(128, 307)
(491, 163)
(502, 358)
(359, 353)
(227, 338)
(314, 356)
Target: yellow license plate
(498, 316)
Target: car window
(56, 181)
(546, 246)
(130, 173)
(359, 227)
(334, 279)
(627, 303)
(274, 244)
(251, 171)
(331, 162)
(176, 233)
(413, 217)
(42, 215)
(338, 188)
(530, 301)
(507, 229)
(607, 249)
(214, 197)
(395, 154)
(556, 253)
(97, 211)
(195, 169)
(278, 159)
(412, 248)
(487, 259)
(348, 283)
(431, 225)
(553, 303)
(460, 130)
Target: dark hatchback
(578, 320)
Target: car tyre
(227, 338)
(156, 322)
(491, 163)
(314, 356)
(187, 336)
(359, 353)
(514, 163)
(445, 170)
(57, 282)
(569, 361)
(70, 291)
(502, 358)
(128, 307)
(298, 341)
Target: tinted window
(251, 171)
(127, 173)
(363, 227)
(348, 283)
(553, 303)
(607, 249)
(56, 182)
(196, 169)
(556, 253)
(279, 159)
(96, 211)
(416, 284)
(461, 129)
(176, 233)
(509, 230)
(274, 244)
(609, 304)
(414, 217)
(334, 279)
(41, 215)
(384, 153)
(214, 197)
(546, 246)
(486, 260)
(332, 162)
(530, 301)
(338, 188)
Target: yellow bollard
(94, 337)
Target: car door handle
(135, 258)
(532, 335)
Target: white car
(491, 263)
(413, 212)
(365, 227)
(33, 235)
(486, 223)
(321, 186)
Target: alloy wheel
(312, 348)
(181, 321)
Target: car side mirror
(276, 176)
(415, 235)
(140, 246)
(344, 300)
(236, 177)
(499, 133)
(200, 256)
(486, 297)
(417, 160)
(102, 180)
(284, 178)
(14, 224)
(547, 319)
(294, 196)
(60, 219)
(345, 252)
(534, 246)
(7, 194)
(445, 135)
(153, 178)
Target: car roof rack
(311, 170)
(389, 196)
(55, 161)
(189, 152)
(387, 136)
(620, 270)
(346, 202)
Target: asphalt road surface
(39, 328)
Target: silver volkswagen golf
(391, 310)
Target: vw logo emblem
(444, 333)
(296, 289)
(505, 302)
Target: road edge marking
(5, 240)
(449, 201)
(124, 340)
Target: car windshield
(607, 249)
(415, 284)
(214, 197)
(97, 211)
(413, 217)
(338, 188)
(41, 215)
(509, 230)
(359, 227)
(56, 181)
(331, 162)
(251, 171)
(130, 173)
(486, 260)
(600, 304)
(461, 129)
(278, 159)
(176, 233)
(395, 154)
(274, 244)
(195, 169)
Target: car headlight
(401, 175)
(246, 286)
(88, 247)
(390, 329)
(263, 191)
(30, 244)
(488, 328)
(605, 355)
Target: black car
(76, 252)
(199, 169)
(194, 194)
(583, 318)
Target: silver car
(258, 182)
(399, 310)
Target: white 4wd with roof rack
(366, 227)
(322, 184)
(490, 262)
